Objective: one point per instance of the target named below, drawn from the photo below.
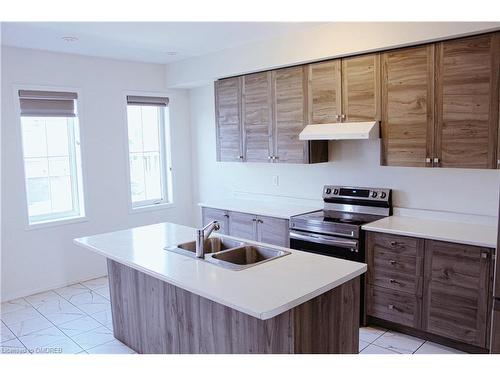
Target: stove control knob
(335, 191)
(328, 191)
(383, 195)
(374, 194)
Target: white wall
(35, 260)
(331, 40)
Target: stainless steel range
(336, 230)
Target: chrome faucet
(201, 237)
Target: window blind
(147, 100)
(47, 103)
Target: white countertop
(263, 291)
(273, 209)
(441, 230)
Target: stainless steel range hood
(340, 130)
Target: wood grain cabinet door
(228, 119)
(408, 106)
(467, 102)
(456, 291)
(221, 216)
(257, 117)
(361, 88)
(273, 231)
(290, 115)
(495, 329)
(324, 92)
(242, 225)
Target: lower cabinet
(242, 225)
(436, 287)
(221, 216)
(457, 292)
(264, 229)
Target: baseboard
(10, 297)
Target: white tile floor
(71, 320)
(77, 320)
(375, 340)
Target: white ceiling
(143, 41)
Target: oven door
(338, 247)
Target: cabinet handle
(254, 219)
(338, 118)
(391, 307)
(226, 215)
(394, 243)
(484, 255)
(275, 157)
(260, 221)
(436, 162)
(343, 116)
(393, 262)
(270, 157)
(392, 281)
(428, 160)
(240, 157)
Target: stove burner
(333, 217)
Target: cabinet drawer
(407, 283)
(395, 263)
(394, 306)
(397, 245)
(397, 272)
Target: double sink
(229, 253)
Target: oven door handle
(332, 241)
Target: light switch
(276, 181)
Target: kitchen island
(165, 302)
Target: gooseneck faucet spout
(201, 236)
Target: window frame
(165, 157)
(80, 173)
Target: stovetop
(327, 217)
(345, 210)
(336, 223)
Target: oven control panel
(349, 192)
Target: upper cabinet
(361, 88)
(467, 102)
(258, 116)
(408, 106)
(290, 116)
(440, 104)
(324, 90)
(344, 90)
(228, 119)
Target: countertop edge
(316, 293)
(401, 232)
(262, 316)
(299, 210)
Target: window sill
(56, 223)
(151, 207)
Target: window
(147, 145)
(51, 151)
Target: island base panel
(152, 316)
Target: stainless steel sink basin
(212, 245)
(244, 256)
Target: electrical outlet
(276, 181)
